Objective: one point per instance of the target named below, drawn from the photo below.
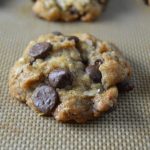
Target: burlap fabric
(126, 23)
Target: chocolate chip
(57, 33)
(73, 11)
(98, 62)
(45, 99)
(76, 39)
(94, 73)
(125, 86)
(85, 61)
(40, 50)
(34, 0)
(60, 78)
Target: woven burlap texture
(124, 22)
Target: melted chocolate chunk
(94, 73)
(85, 61)
(73, 11)
(60, 78)
(76, 39)
(40, 50)
(125, 86)
(45, 99)
(98, 62)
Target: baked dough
(69, 10)
(72, 78)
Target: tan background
(126, 23)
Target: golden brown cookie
(72, 78)
(69, 10)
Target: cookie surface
(68, 10)
(72, 78)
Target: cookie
(68, 10)
(72, 78)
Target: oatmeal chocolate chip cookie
(68, 10)
(72, 78)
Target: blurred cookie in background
(69, 10)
